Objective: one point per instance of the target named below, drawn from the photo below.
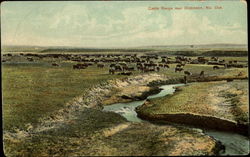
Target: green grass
(193, 98)
(186, 100)
(195, 69)
(85, 137)
(33, 90)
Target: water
(235, 144)
(127, 110)
(166, 90)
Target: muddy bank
(113, 91)
(132, 89)
(215, 105)
(127, 111)
(197, 121)
(191, 79)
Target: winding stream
(234, 143)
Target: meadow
(34, 90)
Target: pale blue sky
(121, 24)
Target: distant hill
(203, 46)
(188, 50)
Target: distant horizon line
(125, 47)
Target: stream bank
(201, 121)
(81, 128)
(217, 105)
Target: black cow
(111, 71)
(158, 68)
(202, 74)
(80, 66)
(216, 67)
(166, 66)
(187, 73)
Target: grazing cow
(126, 73)
(158, 69)
(216, 67)
(112, 65)
(187, 73)
(240, 74)
(166, 66)
(185, 79)
(118, 68)
(238, 66)
(178, 65)
(111, 71)
(178, 69)
(163, 61)
(30, 59)
(221, 61)
(55, 64)
(182, 64)
(214, 58)
(130, 69)
(202, 74)
(80, 66)
(100, 65)
(230, 80)
(202, 60)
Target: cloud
(79, 25)
(188, 28)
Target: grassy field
(97, 133)
(206, 99)
(33, 90)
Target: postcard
(125, 78)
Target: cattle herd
(126, 64)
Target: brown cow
(100, 65)
(55, 64)
(178, 69)
(240, 74)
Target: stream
(235, 144)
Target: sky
(122, 23)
